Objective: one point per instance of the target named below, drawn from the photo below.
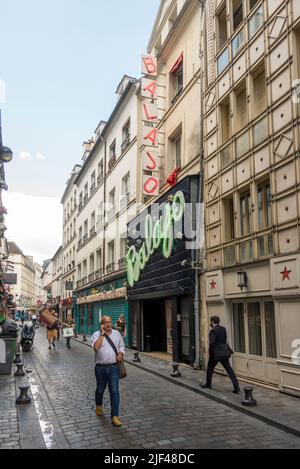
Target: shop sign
(105, 296)
(150, 134)
(159, 234)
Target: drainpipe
(104, 201)
(199, 359)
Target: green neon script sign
(157, 235)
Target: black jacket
(217, 336)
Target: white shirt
(106, 355)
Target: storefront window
(239, 328)
(254, 329)
(271, 348)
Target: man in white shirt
(107, 370)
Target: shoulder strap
(111, 344)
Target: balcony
(110, 268)
(100, 178)
(98, 274)
(91, 277)
(125, 143)
(111, 213)
(122, 263)
(112, 162)
(84, 281)
(92, 231)
(124, 201)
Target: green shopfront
(107, 299)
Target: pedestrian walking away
(70, 323)
(58, 326)
(106, 369)
(52, 334)
(219, 352)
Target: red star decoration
(213, 285)
(286, 274)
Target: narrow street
(155, 414)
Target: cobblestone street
(155, 414)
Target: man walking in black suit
(217, 347)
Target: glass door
(254, 335)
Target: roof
(14, 249)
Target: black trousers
(212, 363)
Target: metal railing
(98, 274)
(122, 263)
(110, 268)
(112, 162)
(125, 143)
(100, 178)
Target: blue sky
(61, 61)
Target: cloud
(34, 223)
(24, 155)
(40, 156)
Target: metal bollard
(136, 358)
(23, 398)
(249, 401)
(176, 373)
(84, 338)
(17, 359)
(20, 371)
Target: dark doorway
(154, 322)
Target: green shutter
(114, 309)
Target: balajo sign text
(159, 234)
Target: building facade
(69, 250)
(173, 68)
(24, 291)
(107, 195)
(252, 170)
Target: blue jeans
(108, 375)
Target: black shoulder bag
(223, 351)
(121, 365)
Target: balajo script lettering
(159, 234)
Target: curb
(238, 407)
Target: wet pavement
(155, 413)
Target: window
(92, 264)
(222, 28)
(223, 61)
(242, 145)
(237, 13)
(241, 108)
(80, 233)
(111, 252)
(245, 214)
(177, 153)
(253, 3)
(259, 104)
(85, 230)
(264, 207)
(260, 131)
(86, 192)
(123, 246)
(98, 259)
(256, 21)
(112, 152)
(79, 272)
(126, 135)
(126, 184)
(93, 180)
(80, 199)
(176, 78)
(225, 120)
(111, 201)
(172, 18)
(84, 268)
(100, 169)
(93, 223)
(228, 218)
(237, 43)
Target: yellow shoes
(116, 422)
(99, 411)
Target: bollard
(136, 358)
(23, 398)
(249, 401)
(17, 359)
(84, 338)
(148, 343)
(20, 371)
(176, 373)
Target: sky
(61, 62)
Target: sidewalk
(274, 408)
